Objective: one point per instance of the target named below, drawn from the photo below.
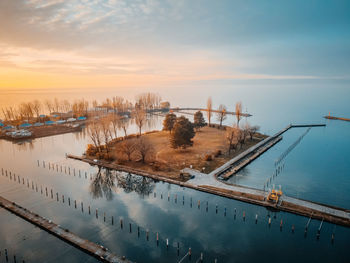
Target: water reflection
(106, 181)
(102, 184)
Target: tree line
(33, 109)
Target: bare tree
(114, 121)
(238, 112)
(106, 132)
(231, 137)
(148, 100)
(36, 108)
(117, 104)
(49, 106)
(67, 106)
(128, 147)
(251, 130)
(144, 149)
(240, 135)
(124, 123)
(209, 109)
(26, 110)
(140, 118)
(221, 115)
(94, 131)
(56, 105)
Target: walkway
(86, 246)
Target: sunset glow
(58, 44)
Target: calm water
(316, 169)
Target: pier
(95, 250)
(206, 183)
(336, 118)
(234, 165)
(214, 111)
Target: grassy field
(207, 141)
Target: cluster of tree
(147, 101)
(181, 130)
(27, 110)
(35, 108)
(117, 103)
(236, 136)
(137, 149)
(103, 131)
(222, 112)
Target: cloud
(177, 40)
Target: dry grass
(207, 141)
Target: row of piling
(58, 197)
(290, 148)
(64, 169)
(4, 254)
(278, 171)
(49, 192)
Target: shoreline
(44, 131)
(332, 214)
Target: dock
(245, 161)
(237, 163)
(336, 118)
(214, 111)
(93, 249)
(208, 184)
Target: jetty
(209, 184)
(214, 111)
(239, 162)
(93, 249)
(336, 118)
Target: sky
(115, 43)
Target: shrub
(208, 157)
(91, 150)
(217, 153)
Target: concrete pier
(205, 183)
(234, 165)
(93, 249)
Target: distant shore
(45, 131)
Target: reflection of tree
(24, 145)
(133, 183)
(103, 184)
(152, 121)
